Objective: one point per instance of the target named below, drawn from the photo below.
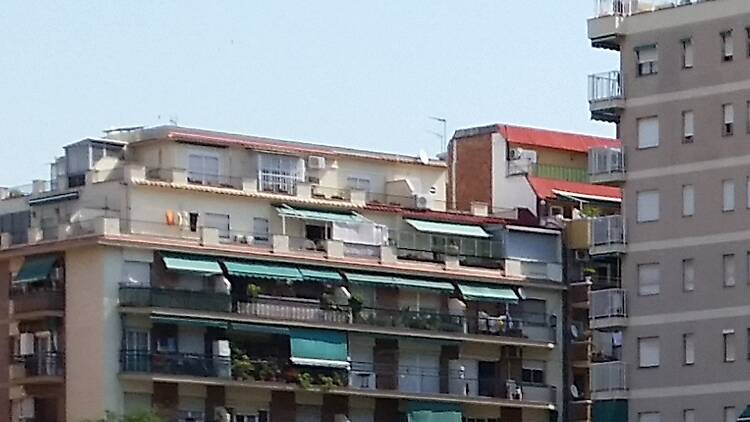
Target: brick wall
(473, 170)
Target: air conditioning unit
(316, 162)
(26, 409)
(582, 255)
(423, 202)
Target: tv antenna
(443, 136)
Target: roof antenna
(173, 120)
(444, 136)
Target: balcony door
(280, 173)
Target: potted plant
(588, 274)
(305, 380)
(253, 291)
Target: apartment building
(219, 277)
(681, 102)
(567, 181)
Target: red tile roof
(458, 217)
(544, 138)
(545, 188)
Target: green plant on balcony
(268, 371)
(243, 368)
(305, 381)
(253, 291)
(326, 382)
(591, 211)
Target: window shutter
(688, 123)
(649, 279)
(648, 349)
(728, 195)
(648, 54)
(648, 132)
(728, 113)
(688, 200)
(647, 206)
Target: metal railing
(547, 171)
(606, 86)
(607, 230)
(293, 309)
(604, 161)
(609, 377)
(38, 300)
(332, 193)
(433, 247)
(630, 7)
(49, 364)
(147, 297)
(609, 303)
(278, 183)
(172, 363)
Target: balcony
(608, 309)
(606, 97)
(580, 411)
(606, 165)
(609, 381)
(475, 252)
(578, 294)
(278, 373)
(46, 301)
(547, 171)
(580, 354)
(598, 235)
(535, 327)
(38, 368)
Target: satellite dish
(574, 391)
(423, 157)
(521, 293)
(574, 331)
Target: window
(730, 414)
(687, 53)
(688, 347)
(533, 371)
(203, 169)
(358, 183)
(649, 279)
(727, 128)
(729, 270)
(688, 126)
(647, 203)
(136, 273)
(688, 415)
(648, 352)
(727, 46)
(280, 173)
(260, 416)
(728, 336)
(137, 340)
(688, 200)
(688, 275)
(747, 117)
(727, 188)
(261, 230)
(219, 222)
(649, 417)
(648, 132)
(648, 59)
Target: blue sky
(351, 73)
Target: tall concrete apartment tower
(681, 100)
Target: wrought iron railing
(38, 300)
(49, 364)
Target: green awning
(321, 275)
(319, 348)
(257, 328)
(192, 263)
(745, 416)
(487, 293)
(448, 228)
(190, 322)
(405, 283)
(263, 270)
(36, 268)
(317, 215)
(433, 412)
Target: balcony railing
(38, 300)
(605, 86)
(606, 161)
(363, 375)
(418, 246)
(607, 230)
(547, 171)
(609, 303)
(147, 297)
(539, 327)
(631, 7)
(50, 364)
(274, 182)
(609, 377)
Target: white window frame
(688, 126)
(729, 342)
(729, 269)
(647, 60)
(688, 348)
(688, 200)
(688, 274)
(727, 115)
(202, 175)
(647, 212)
(727, 45)
(649, 279)
(728, 195)
(359, 183)
(648, 131)
(210, 218)
(649, 352)
(688, 53)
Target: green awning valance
(191, 263)
(190, 322)
(257, 328)
(321, 275)
(487, 293)
(36, 268)
(262, 270)
(433, 412)
(405, 283)
(319, 348)
(448, 228)
(317, 215)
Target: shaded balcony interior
(39, 285)
(278, 292)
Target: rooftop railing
(604, 8)
(605, 86)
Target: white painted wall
(513, 191)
